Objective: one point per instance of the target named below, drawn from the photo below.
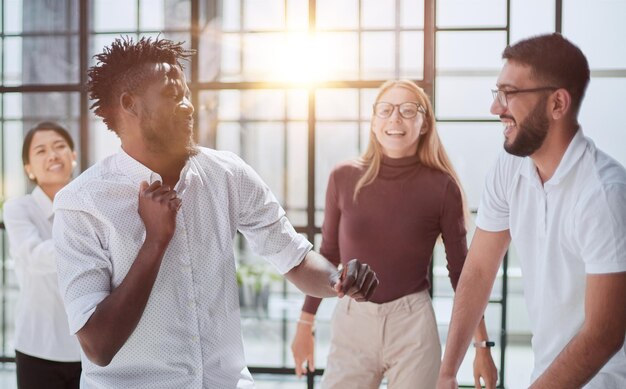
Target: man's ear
(127, 102)
(561, 103)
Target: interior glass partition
(288, 85)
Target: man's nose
(497, 108)
(186, 106)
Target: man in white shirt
(563, 202)
(146, 262)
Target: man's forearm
(600, 337)
(470, 300)
(314, 276)
(116, 317)
(472, 294)
(581, 359)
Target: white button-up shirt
(571, 226)
(41, 328)
(189, 335)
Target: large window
(288, 85)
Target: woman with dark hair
(46, 355)
(388, 208)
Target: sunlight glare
(301, 60)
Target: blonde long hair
(429, 148)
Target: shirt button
(194, 338)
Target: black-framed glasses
(502, 95)
(407, 110)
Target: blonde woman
(387, 208)
(46, 355)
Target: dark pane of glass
(176, 14)
(50, 16)
(45, 59)
(34, 107)
(98, 42)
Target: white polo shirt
(189, 335)
(573, 225)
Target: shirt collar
(138, 172)
(574, 151)
(43, 201)
(135, 170)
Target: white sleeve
(600, 230)
(27, 247)
(493, 212)
(263, 223)
(83, 262)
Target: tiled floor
(518, 366)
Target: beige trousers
(398, 339)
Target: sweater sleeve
(453, 231)
(330, 237)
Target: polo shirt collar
(572, 155)
(43, 201)
(574, 151)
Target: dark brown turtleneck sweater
(394, 225)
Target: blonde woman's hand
(303, 344)
(485, 367)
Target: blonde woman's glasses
(407, 110)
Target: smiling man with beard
(563, 202)
(145, 237)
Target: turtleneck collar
(400, 162)
(394, 168)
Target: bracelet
(302, 321)
(484, 344)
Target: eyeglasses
(407, 110)
(502, 95)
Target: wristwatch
(484, 344)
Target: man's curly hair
(122, 67)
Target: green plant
(257, 275)
(254, 281)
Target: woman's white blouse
(41, 328)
